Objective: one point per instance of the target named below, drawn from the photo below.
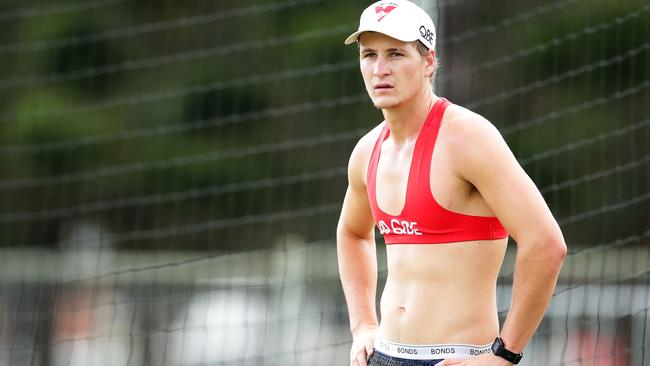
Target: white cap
(399, 19)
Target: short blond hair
(424, 52)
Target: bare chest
(394, 172)
(392, 178)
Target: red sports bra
(423, 220)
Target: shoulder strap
(421, 163)
(371, 174)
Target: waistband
(430, 351)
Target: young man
(444, 189)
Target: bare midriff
(442, 293)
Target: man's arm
(357, 259)
(481, 156)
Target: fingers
(370, 348)
(361, 359)
(362, 348)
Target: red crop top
(423, 220)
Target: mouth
(383, 86)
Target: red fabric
(423, 220)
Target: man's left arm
(482, 157)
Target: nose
(382, 67)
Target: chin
(385, 103)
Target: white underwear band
(430, 352)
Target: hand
(362, 346)
(484, 360)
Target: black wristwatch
(499, 349)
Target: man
(445, 214)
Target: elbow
(345, 235)
(556, 249)
(341, 233)
(548, 247)
(560, 254)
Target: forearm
(536, 271)
(357, 260)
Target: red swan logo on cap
(382, 11)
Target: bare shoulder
(360, 156)
(462, 126)
(473, 142)
(480, 155)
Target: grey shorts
(380, 359)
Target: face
(393, 71)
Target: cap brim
(355, 36)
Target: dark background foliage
(224, 125)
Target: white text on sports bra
(398, 227)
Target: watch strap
(499, 349)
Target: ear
(430, 61)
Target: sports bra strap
(423, 220)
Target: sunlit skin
(440, 293)
(396, 76)
(397, 79)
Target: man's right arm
(357, 258)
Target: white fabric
(399, 19)
(430, 351)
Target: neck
(405, 120)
